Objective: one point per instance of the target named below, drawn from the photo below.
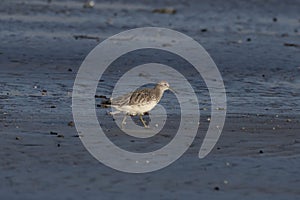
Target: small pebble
(70, 70)
(274, 19)
(58, 145)
(291, 45)
(18, 138)
(261, 151)
(53, 106)
(60, 136)
(216, 188)
(248, 39)
(53, 133)
(71, 123)
(44, 92)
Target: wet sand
(256, 48)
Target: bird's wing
(141, 97)
(121, 100)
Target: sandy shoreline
(257, 156)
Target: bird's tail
(105, 103)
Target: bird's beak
(172, 90)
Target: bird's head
(164, 85)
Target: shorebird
(140, 101)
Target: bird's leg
(123, 122)
(142, 120)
